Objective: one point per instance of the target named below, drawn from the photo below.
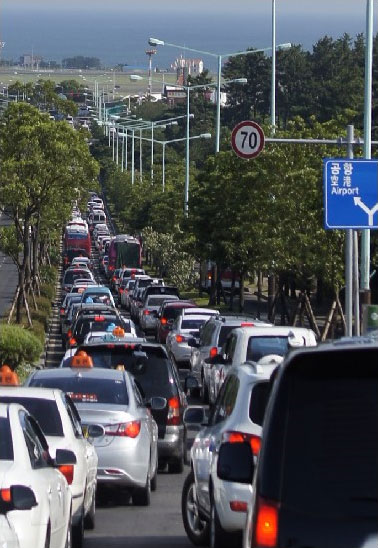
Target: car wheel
(154, 477)
(142, 495)
(78, 532)
(219, 538)
(90, 518)
(196, 528)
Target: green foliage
(48, 274)
(18, 346)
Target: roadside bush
(44, 304)
(48, 291)
(18, 346)
(48, 274)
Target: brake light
(146, 312)
(6, 495)
(238, 506)
(73, 341)
(163, 321)
(62, 311)
(174, 418)
(247, 324)
(180, 338)
(240, 437)
(114, 278)
(121, 291)
(68, 472)
(99, 318)
(125, 429)
(266, 527)
(213, 352)
(111, 268)
(69, 333)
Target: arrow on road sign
(370, 212)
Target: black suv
(316, 482)
(157, 376)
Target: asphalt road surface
(8, 276)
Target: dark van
(316, 483)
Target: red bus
(124, 250)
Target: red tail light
(62, 311)
(69, 333)
(266, 524)
(114, 278)
(68, 472)
(121, 291)
(125, 429)
(111, 268)
(146, 312)
(99, 318)
(5, 495)
(163, 321)
(247, 324)
(180, 338)
(240, 437)
(174, 418)
(238, 506)
(72, 341)
(213, 352)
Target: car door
(47, 481)
(208, 440)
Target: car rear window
(158, 301)
(172, 313)
(258, 347)
(325, 420)
(153, 373)
(82, 389)
(96, 297)
(6, 445)
(192, 324)
(71, 275)
(85, 325)
(44, 411)
(257, 404)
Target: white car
(8, 536)
(34, 493)
(185, 328)
(60, 422)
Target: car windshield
(192, 324)
(83, 389)
(6, 445)
(71, 275)
(258, 347)
(45, 411)
(151, 370)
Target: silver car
(184, 329)
(148, 313)
(110, 398)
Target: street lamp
(157, 42)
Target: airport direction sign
(350, 193)
(247, 139)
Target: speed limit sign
(247, 139)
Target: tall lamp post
(157, 42)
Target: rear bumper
(173, 442)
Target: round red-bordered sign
(247, 139)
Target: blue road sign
(350, 193)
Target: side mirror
(235, 462)
(157, 403)
(64, 457)
(190, 383)
(22, 497)
(95, 431)
(194, 415)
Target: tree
(43, 167)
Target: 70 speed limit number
(247, 139)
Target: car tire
(141, 496)
(219, 537)
(196, 529)
(78, 532)
(90, 518)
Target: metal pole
(187, 168)
(152, 151)
(349, 253)
(365, 238)
(356, 286)
(117, 142)
(123, 152)
(132, 158)
(126, 149)
(218, 121)
(113, 141)
(164, 167)
(140, 156)
(273, 90)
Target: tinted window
(72, 275)
(192, 324)
(44, 411)
(206, 334)
(171, 313)
(259, 399)
(88, 390)
(71, 253)
(156, 301)
(85, 325)
(6, 445)
(224, 331)
(226, 402)
(324, 432)
(258, 347)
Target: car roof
(179, 304)
(67, 372)
(198, 310)
(97, 289)
(195, 317)
(29, 392)
(271, 330)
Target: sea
(122, 36)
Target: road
(8, 276)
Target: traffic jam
(254, 417)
